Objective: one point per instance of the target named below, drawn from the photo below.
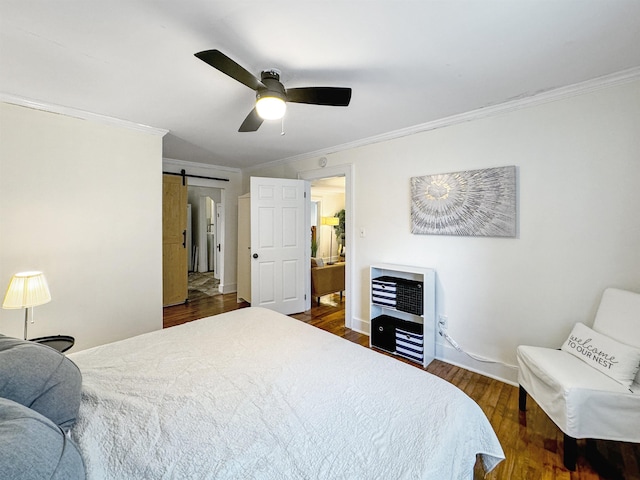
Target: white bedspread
(253, 394)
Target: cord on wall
(455, 345)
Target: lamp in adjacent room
(27, 290)
(332, 221)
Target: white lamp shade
(271, 108)
(27, 289)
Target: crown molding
(187, 164)
(524, 101)
(81, 114)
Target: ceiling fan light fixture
(271, 107)
(271, 96)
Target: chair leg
(603, 466)
(522, 399)
(570, 452)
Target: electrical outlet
(443, 321)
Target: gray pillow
(34, 448)
(40, 378)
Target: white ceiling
(328, 186)
(408, 62)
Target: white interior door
(279, 244)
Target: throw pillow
(615, 359)
(40, 378)
(33, 448)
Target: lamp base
(26, 318)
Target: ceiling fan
(271, 96)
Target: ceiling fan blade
(252, 122)
(334, 96)
(220, 61)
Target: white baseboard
(228, 288)
(444, 352)
(361, 326)
(498, 370)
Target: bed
(253, 394)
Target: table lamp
(26, 290)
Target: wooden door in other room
(174, 244)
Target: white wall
(81, 201)
(578, 162)
(232, 189)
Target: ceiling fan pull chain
(282, 128)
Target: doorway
(205, 237)
(328, 201)
(344, 171)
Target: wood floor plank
(533, 445)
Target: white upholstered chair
(582, 401)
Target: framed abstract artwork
(469, 203)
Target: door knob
(255, 255)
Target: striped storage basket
(383, 291)
(410, 345)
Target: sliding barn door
(174, 240)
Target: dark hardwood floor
(200, 308)
(533, 445)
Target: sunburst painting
(469, 203)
